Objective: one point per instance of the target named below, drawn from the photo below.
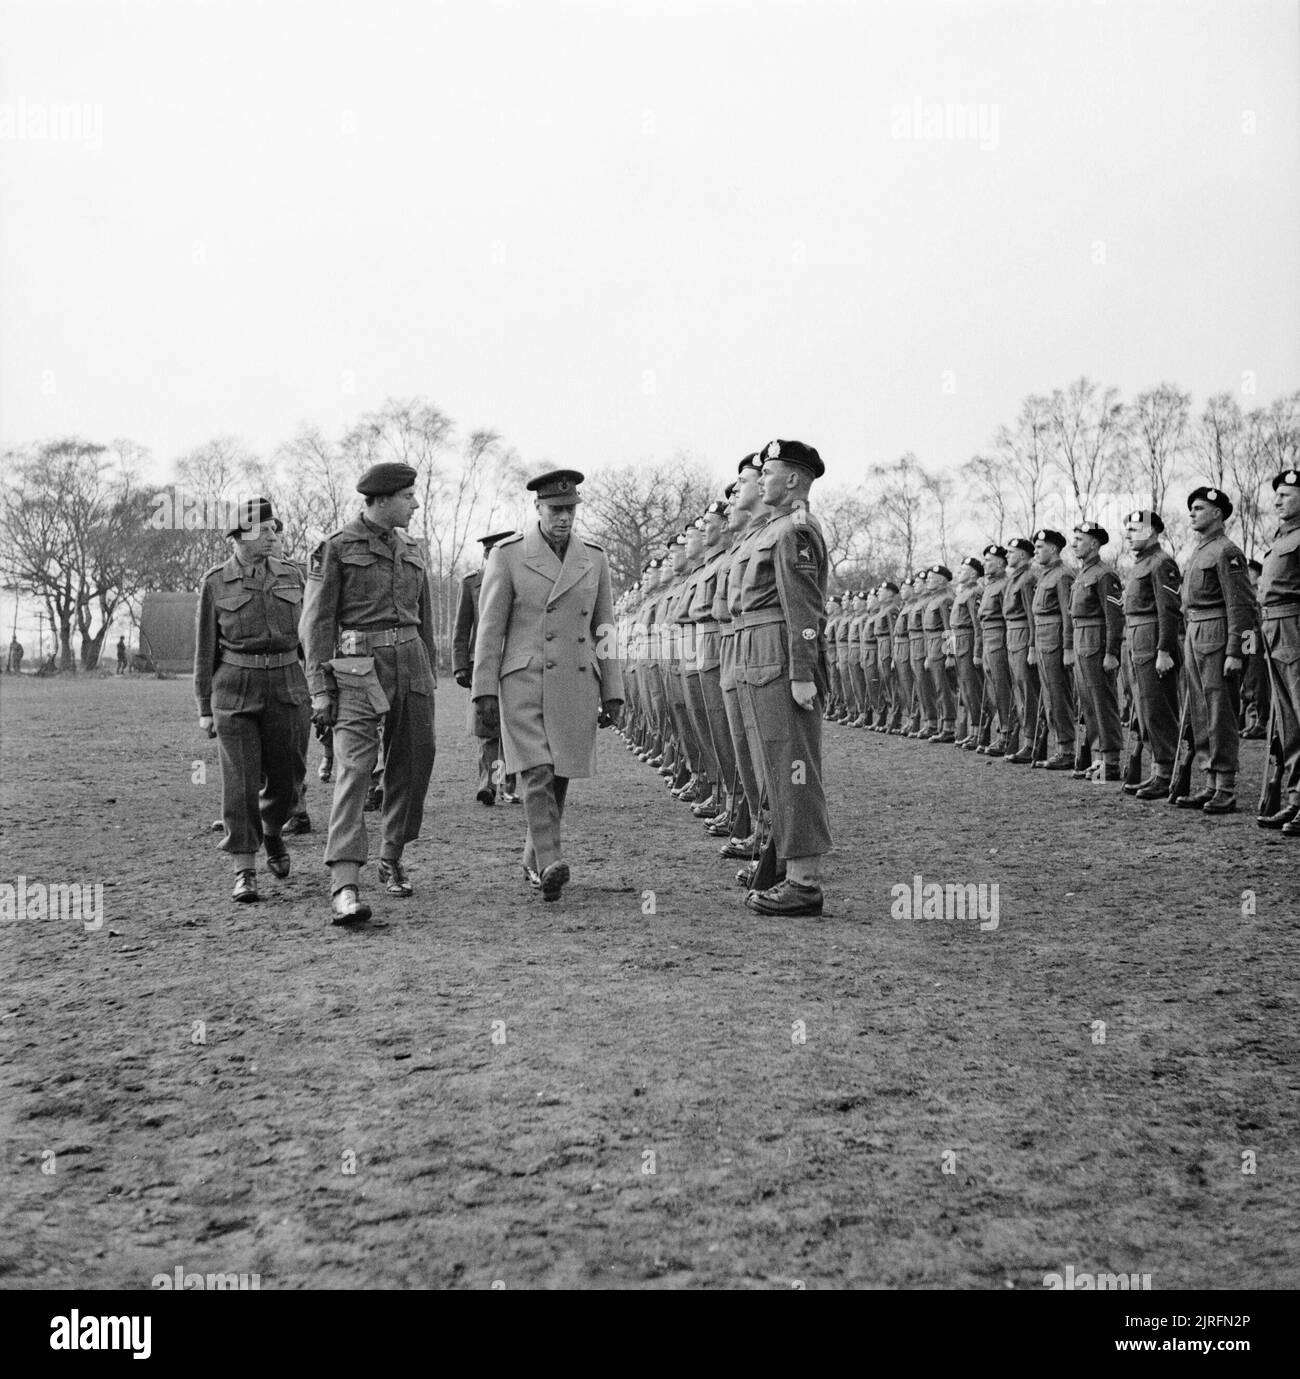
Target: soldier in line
(835, 699)
(1018, 615)
(368, 634)
(539, 664)
(744, 516)
(1153, 637)
(1050, 635)
(992, 655)
(871, 671)
(891, 709)
(902, 649)
(490, 791)
(1279, 596)
(844, 655)
(857, 679)
(1097, 619)
(706, 788)
(939, 673)
(708, 657)
(965, 634)
(1255, 695)
(1219, 610)
(781, 673)
(251, 693)
(928, 708)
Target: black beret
(1095, 530)
(1021, 543)
(754, 461)
(717, 508)
(1288, 477)
(382, 479)
(730, 490)
(1053, 538)
(1145, 517)
(999, 551)
(249, 515)
(890, 585)
(1216, 497)
(796, 452)
(558, 486)
(487, 542)
(940, 570)
(976, 565)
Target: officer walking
(544, 611)
(368, 633)
(251, 692)
(462, 665)
(1219, 608)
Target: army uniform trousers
(263, 720)
(394, 693)
(1057, 682)
(1213, 705)
(1281, 636)
(1096, 690)
(1155, 695)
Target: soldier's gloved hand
(1164, 663)
(324, 710)
(464, 679)
(804, 691)
(1109, 663)
(1067, 658)
(208, 725)
(487, 713)
(1032, 656)
(609, 712)
(1232, 665)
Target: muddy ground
(952, 1119)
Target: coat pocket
(1283, 638)
(1208, 636)
(1047, 636)
(1088, 641)
(356, 677)
(510, 664)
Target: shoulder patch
(316, 565)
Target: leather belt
(248, 660)
(388, 636)
(1280, 610)
(1088, 622)
(1206, 614)
(1141, 619)
(707, 625)
(760, 617)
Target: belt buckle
(352, 643)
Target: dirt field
(952, 1119)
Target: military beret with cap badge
(890, 585)
(380, 480)
(717, 508)
(1020, 543)
(796, 453)
(1052, 538)
(939, 570)
(557, 486)
(1288, 478)
(250, 514)
(1216, 497)
(994, 549)
(974, 563)
(754, 461)
(1095, 530)
(1145, 517)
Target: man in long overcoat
(545, 663)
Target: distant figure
(121, 655)
(15, 662)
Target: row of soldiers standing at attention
(725, 675)
(1018, 647)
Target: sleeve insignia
(315, 570)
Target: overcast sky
(617, 231)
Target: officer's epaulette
(509, 540)
(593, 545)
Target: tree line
(86, 536)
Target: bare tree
(850, 526)
(1158, 423)
(1088, 438)
(992, 481)
(1218, 440)
(901, 501)
(633, 510)
(1024, 451)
